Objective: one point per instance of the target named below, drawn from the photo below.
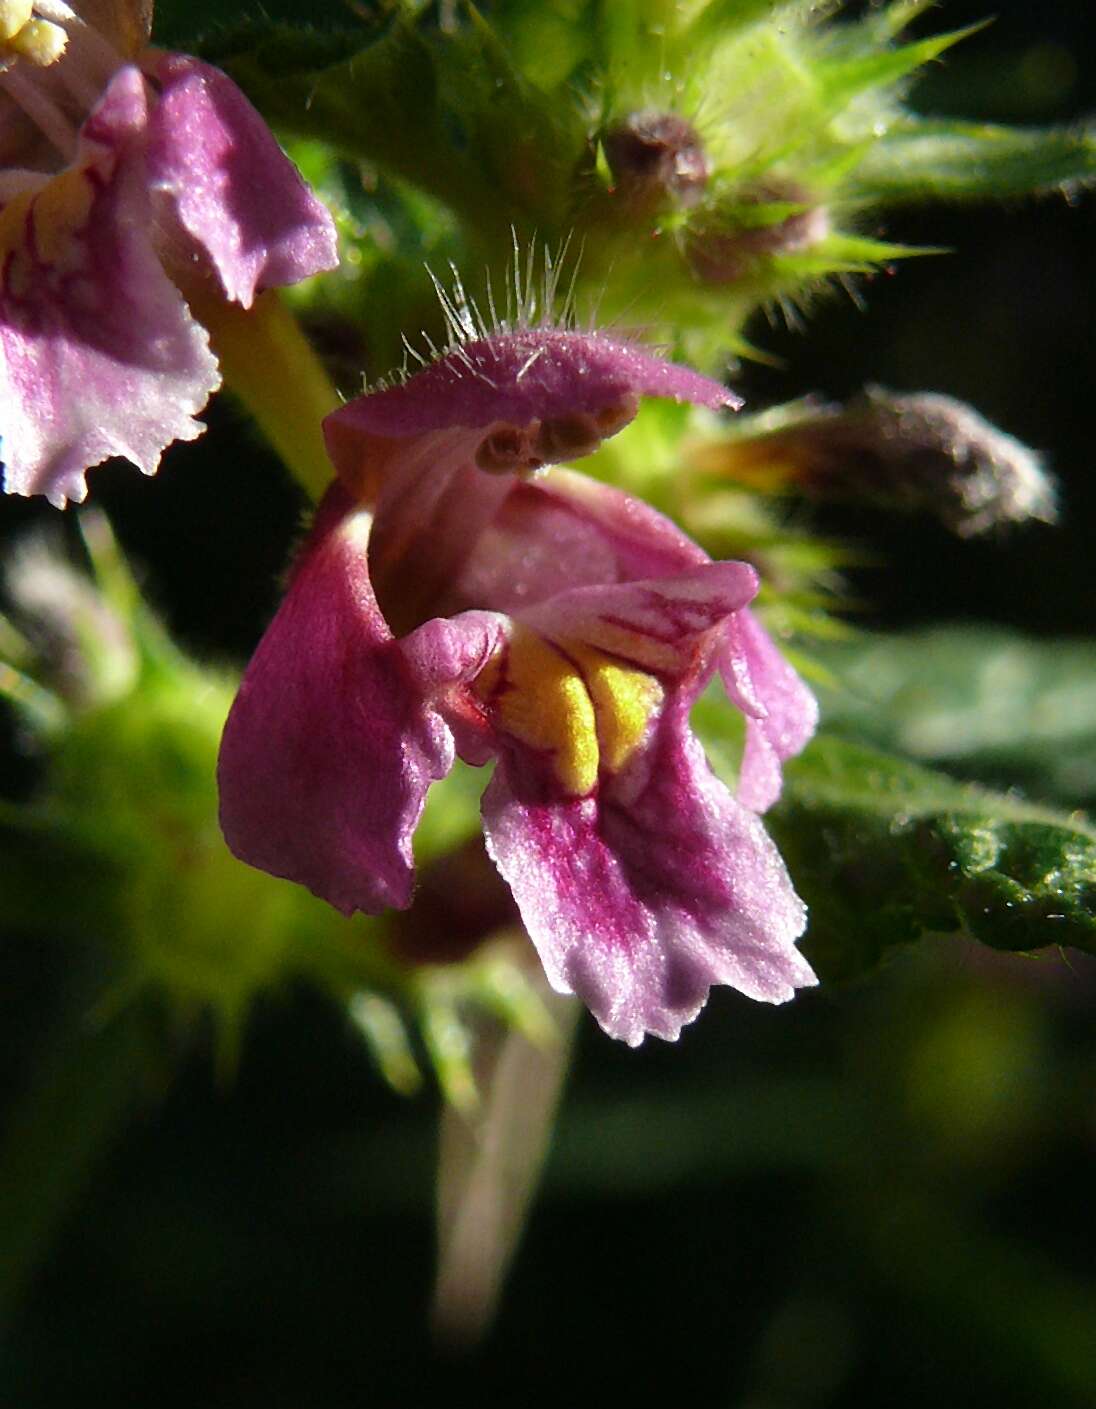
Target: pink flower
(454, 596)
(125, 172)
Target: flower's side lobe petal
(641, 896)
(534, 375)
(781, 713)
(99, 355)
(235, 191)
(447, 653)
(331, 744)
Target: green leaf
(188, 24)
(988, 704)
(884, 851)
(448, 112)
(951, 160)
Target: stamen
(568, 437)
(99, 59)
(617, 415)
(509, 449)
(42, 110)
(502, 452)
(86, 75)
(18, 180)
(39, 42)
(14, 14)
(56, 10)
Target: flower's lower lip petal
(98, 353)
(642, 896)
(235, 191)
(330, 746)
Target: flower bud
(918, 451)
(764, 222)
(656, 158)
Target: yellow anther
(574, 702)
(14, 14)
(624, 701)
(544, 703)
(40, 42)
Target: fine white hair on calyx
(534, 296)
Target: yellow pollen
(542, 701)
(624, 701)
(583, 708)
(14, 14)
(40, 42)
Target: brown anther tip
(504, 450)
(653, 154)
(617, 415)
(568, 437)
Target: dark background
(881, 1194)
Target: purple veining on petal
(652, 623)
(234, 190)
(642, 896)
(525, 376)
(99, 355)
(331, 745)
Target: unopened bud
(764, 223)
(921, 451)
(656, 157)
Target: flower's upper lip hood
(519, 377)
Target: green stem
(270, 365)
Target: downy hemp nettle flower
(123, 172)
(457, 596)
